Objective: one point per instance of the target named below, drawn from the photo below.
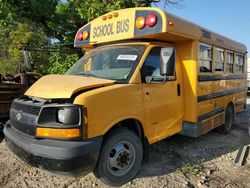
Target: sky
(230, 18)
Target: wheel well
(135, 126)
(232, 105)
(131, 124)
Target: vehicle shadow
(170, 154)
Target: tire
(229, 117)
(120, 158)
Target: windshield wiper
(87, 74)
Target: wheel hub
(120, 158)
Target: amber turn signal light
(140, 22)
(104, 18)
(57, 133)
(85, 35)
(115, 14)
(109, 16)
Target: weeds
(187, 168)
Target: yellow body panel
(108, 106)
(205, 88)
(58, 86)
(188, 56)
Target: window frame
(207, 60)
(215, 61)
(237, 65)
(229, 63)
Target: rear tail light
(151, 20)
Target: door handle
(178, 90)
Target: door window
(151, 69)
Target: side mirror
(27, 61)
(167, 64)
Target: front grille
(26, 106)
(24, 114)
(23, 127)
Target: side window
(205, 63)
(230, 62)
(151, 66)
(219, 60)
(239, 63)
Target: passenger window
(219, 59)
(239, 63)
(230, 62)
(205, 63)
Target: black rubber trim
(191, 129)
(210, 114)
(240, 103)
(220, 94)
(63, 157)
(206, 78)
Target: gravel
(212, 154)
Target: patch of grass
(187, 168)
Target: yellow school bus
(146, 75)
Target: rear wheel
(229, 117)
(120, 158)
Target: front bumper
(1, 129)
(63, 157)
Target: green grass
(188, 168)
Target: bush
(60, 63)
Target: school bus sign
(120, 25)
(105, 31)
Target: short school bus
(147, 75)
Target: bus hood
(64, 86)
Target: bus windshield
(115, 62)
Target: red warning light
(151, 20)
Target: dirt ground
(178, 161)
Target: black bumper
(63, 157)
(1, 129)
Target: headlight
(61, 115)
(69, 115)
(56, 115)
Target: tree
(35, 23)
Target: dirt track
(174, 162)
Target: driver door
(162, 98)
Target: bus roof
(148, 23)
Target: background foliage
(47, 29)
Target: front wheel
(120, 158)
(229, 117)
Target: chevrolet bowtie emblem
(18, 116)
